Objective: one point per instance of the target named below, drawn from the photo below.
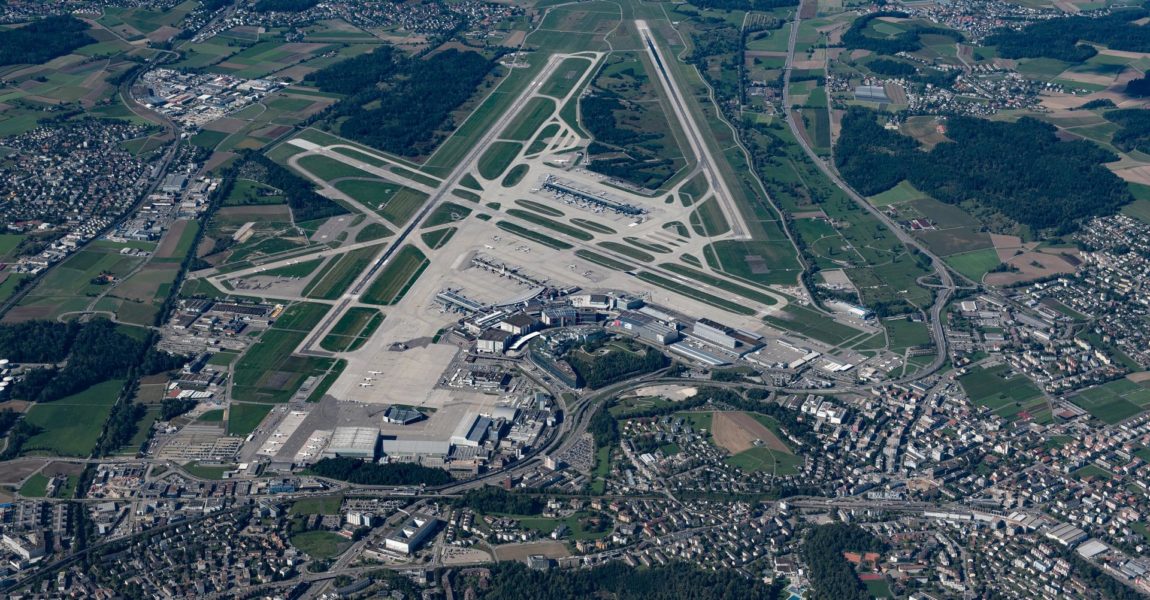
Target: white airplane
(363, 385)
(369, 379)
(375, 372)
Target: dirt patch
(171, 239)
(515, 39)
(1139, 377)
(296, 73)
(810, 214)
(163, 34)
(16, 471)
(16, 405)
(226, 125)
(271, 132)
(522, 551)
(672, 392)
(1031, 265)
(1008, 245)
(738, 431)
(63, 468)
(19, 314)
(217, 159)
(1135, 175)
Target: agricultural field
(74, 284)
(753, 443)
(1115, 401)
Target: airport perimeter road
(441, 193)
(943, 294)
(695, 137)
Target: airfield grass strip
(602, 261)
(695, 294)
(722, 284)
(551, 224)
(533, 236)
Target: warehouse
(353, 442)
(493, 341)
(429, 453)
(700, 356)
(471, 431)
(647, 328)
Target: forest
(300, 194)
(43, 40)
(1135, 129)
(284, 5)
(618, 150)
(1060, 38)
(399, 104)
(891, 68)
(353, 470)
(831, 574)
(491, 499)
(37, 341)
(1139, 88)
(598, 370)
(1046, 184)
(910, 40)
(514, 581)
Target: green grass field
(533, 235)
(71, 426)
(328, 169)
(974, 264)
(35, 486)
(692, 292)
(539, 207)
(352, 330)
(497, 158)
(551, 224)
(763, 459)
(1115, 401)
(530, 119)
(763, 262)
(601, 260)
(812, 324)
(319, 505)
(397, 277)
(902, 334)
(320, 545)
(448, 212)
(268, 372)
(334, 280)
(244, 418)
(593, 226)
(438, 238)
(393, 202)
(514, 176)
(1009, 396)
(566, 75)
(708, 221)
(628, 251)
(903, 192)
(710, 280)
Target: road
(943, 293)
(694, 135)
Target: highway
(694, 135)
(946, 290)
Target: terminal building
(353, 442)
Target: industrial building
(411, 535)
(1066, 534)
(697, 355)
(519, 324)
(471, 431)
(353, 442)
(726, 337)
(871, 93)
(493, 341)
(428, 453)
(397, 415)
(647, 328)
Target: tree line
(284, 5)
(41, 41)
(400, 104)
(514, 581)
(1060, 38)
(353, 470)
(1021, 170)
(491, 499)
